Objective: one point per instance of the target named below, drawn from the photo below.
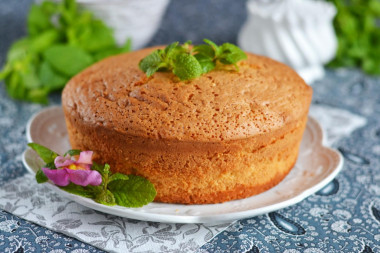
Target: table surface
(342, 218)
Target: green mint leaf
(186, 47)
(170, 52)
(73, 152)
(170, 49)
(207, 63)
(50, 166)
(41, 177)
(14, 86)
(44, 40)
(33, 69)
(84, 191)
(374, 6)
(37, 95)
(371, 66)
(50, 78)
(118, 176)
(18, 50)
(134, 192)
(68, 60)
(188, 63)
(97, 37)
(151, 63)
(49, 7)
(106, 198)
(38, 19)
(356, 26)
(68, 12)
(187, 67)
(6, 71)
(205, 50)
(46, 154)
(230, 54)
(98, 167)
(215, 47)
(29, 76)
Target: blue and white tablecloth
(342, 217)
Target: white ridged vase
(298, 33)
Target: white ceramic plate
(316, 166)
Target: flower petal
(85, 157)
(85, 166)
(84, 177)
(59, 177)
(61, 161)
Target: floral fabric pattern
(18, 235)
(340, 214)
(345, 215)
(342, 217)
(31, 201)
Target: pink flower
(78, 172)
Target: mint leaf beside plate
(134, 192)
(46, 154)
(88, 179)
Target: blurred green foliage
(357, 25)
(62, 40)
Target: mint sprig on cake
(189, 62)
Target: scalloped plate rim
(141, 214)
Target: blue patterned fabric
(345, 215)
(17, 235)
(342, 217)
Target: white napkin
(336, 123)
(39, 204)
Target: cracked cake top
(222, 105)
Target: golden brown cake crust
(225, 135)
(220, 105)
